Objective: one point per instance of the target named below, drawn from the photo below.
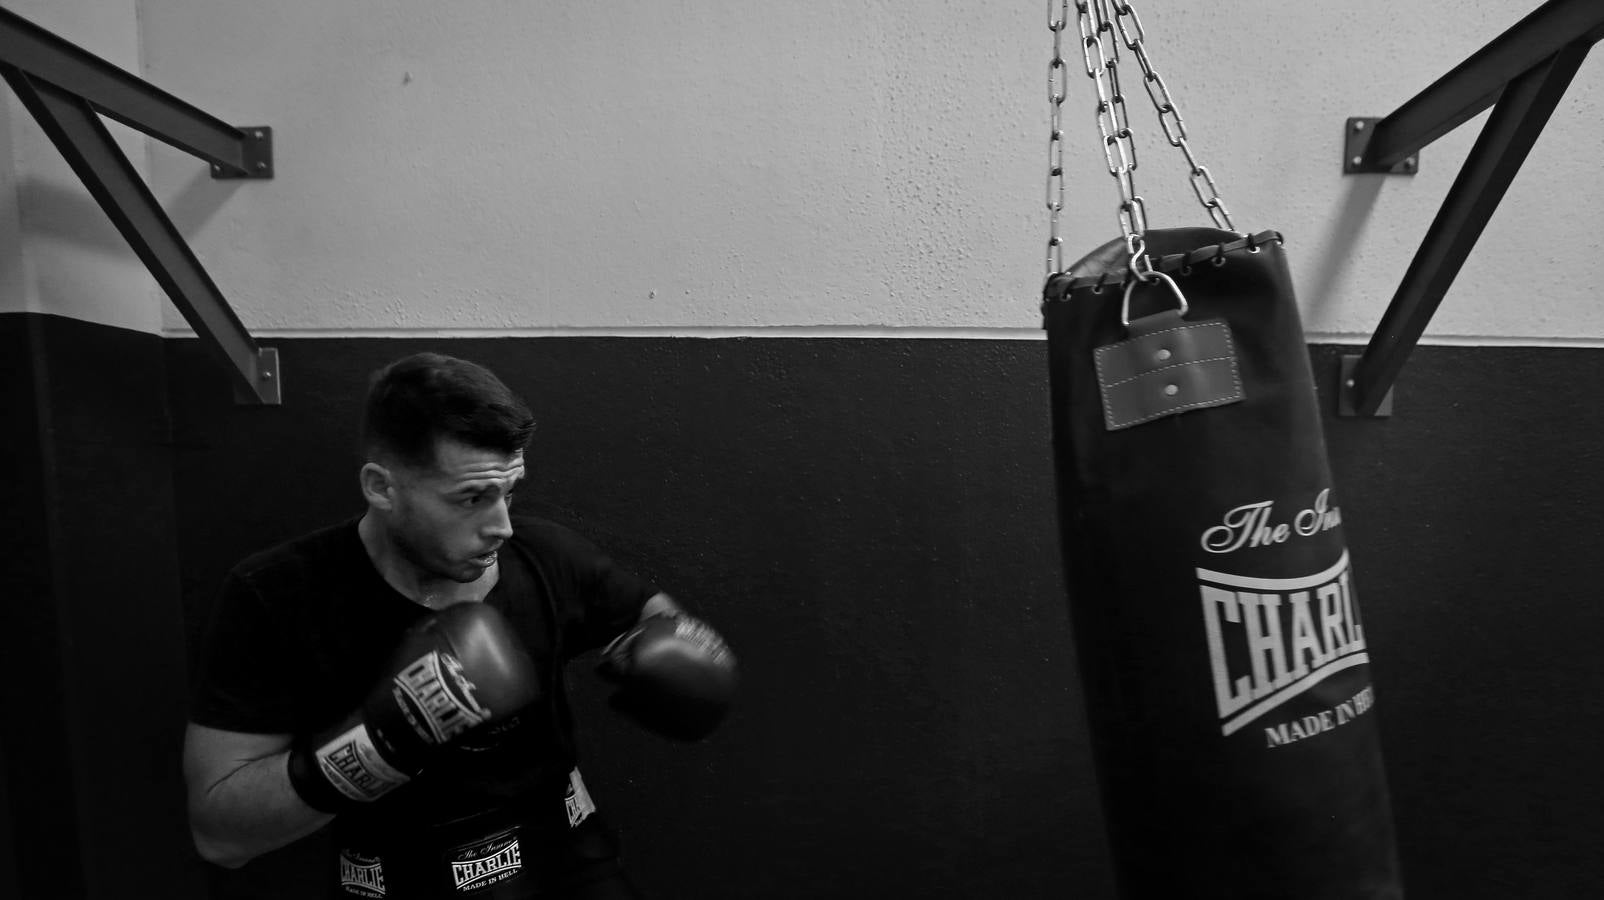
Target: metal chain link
(1119, 148)
(1131, 32)
(1057, 21)
(1100, 21)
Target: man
(399, 677)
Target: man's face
(450, 520)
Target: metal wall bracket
(68, 90)
(268, 390)
(1521, 74)
(1356, 143)
(258, 155)
(1348, 400)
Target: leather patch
(1168, 366)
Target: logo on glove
(436, 696)
(702, 637)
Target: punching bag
(1214, 605)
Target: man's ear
(378, 486)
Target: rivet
(1163, 355)
(1357, 161)
(1171, 390)
(1359, 125)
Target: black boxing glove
(457, 672)
(675, 674)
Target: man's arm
(241, 804)
(251, 793)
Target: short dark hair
(416, 400)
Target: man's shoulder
(542, 532)
(553, 540)
(300, 555)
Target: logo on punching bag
(1251, 525)
(1271, 639)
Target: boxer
(399, 677)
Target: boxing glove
(675, 674)
(455, 673)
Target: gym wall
(768, 274)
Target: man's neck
(425, 590)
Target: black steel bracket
(257, 152)
(1522, 75)
(1347, 393)
(268, 389)
(67, 90)
(1356, 144)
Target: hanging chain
(1130, 31)
(1057, 21)
(1119, 150)
(1099, 22)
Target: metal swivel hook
(1125, 307)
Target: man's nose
(499, 524)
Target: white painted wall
(15, 289)
(59, 253)
(493, 166)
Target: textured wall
(494, 166)
(871, 522)
(92, 795)
(885, 567)
(659, 169)
(59, 254)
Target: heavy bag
(1214, 609)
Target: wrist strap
(339, 773)
(309, 784)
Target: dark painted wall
(868, 522)
(1474, 516)
(94, 675)
(871, 523)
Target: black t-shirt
(301, 633)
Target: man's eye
(478, 499)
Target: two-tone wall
(768, 274)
